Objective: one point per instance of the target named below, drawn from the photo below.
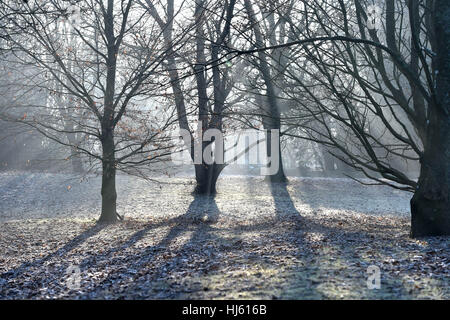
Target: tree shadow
(198, 219)
(284, 206)
(346, 194)
(159, 270)
(351, 251)
(363, 245)
(19, 271)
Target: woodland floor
(311, 239)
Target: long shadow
(14, 273)
(201, 210)
(201, 213)
(346, 245)
(284, 206)
(157, 261)
(343, 240)
(91, 260)
(106, 257)
(344, 194)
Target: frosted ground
(46, 195)
(311, 239)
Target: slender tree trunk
(77, 164)
(279, 176)
(271, 119)
(430, 207)
(328, 161)
(109, 194)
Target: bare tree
(211, 34)
(430, 206)
(272, 78)
(98, 89)
(375, 103)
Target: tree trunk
(279, 176)
(77, 164)
(430, 209)
(328, 161)
(271, 118)
(109, 195)
(206, 177)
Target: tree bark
(279, 176)
(430, 209)
(206, 177)
(109, 194)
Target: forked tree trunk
(109, 195)
(206, 177)
(430, 207)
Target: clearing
(311, 239)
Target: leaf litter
(305, 240)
